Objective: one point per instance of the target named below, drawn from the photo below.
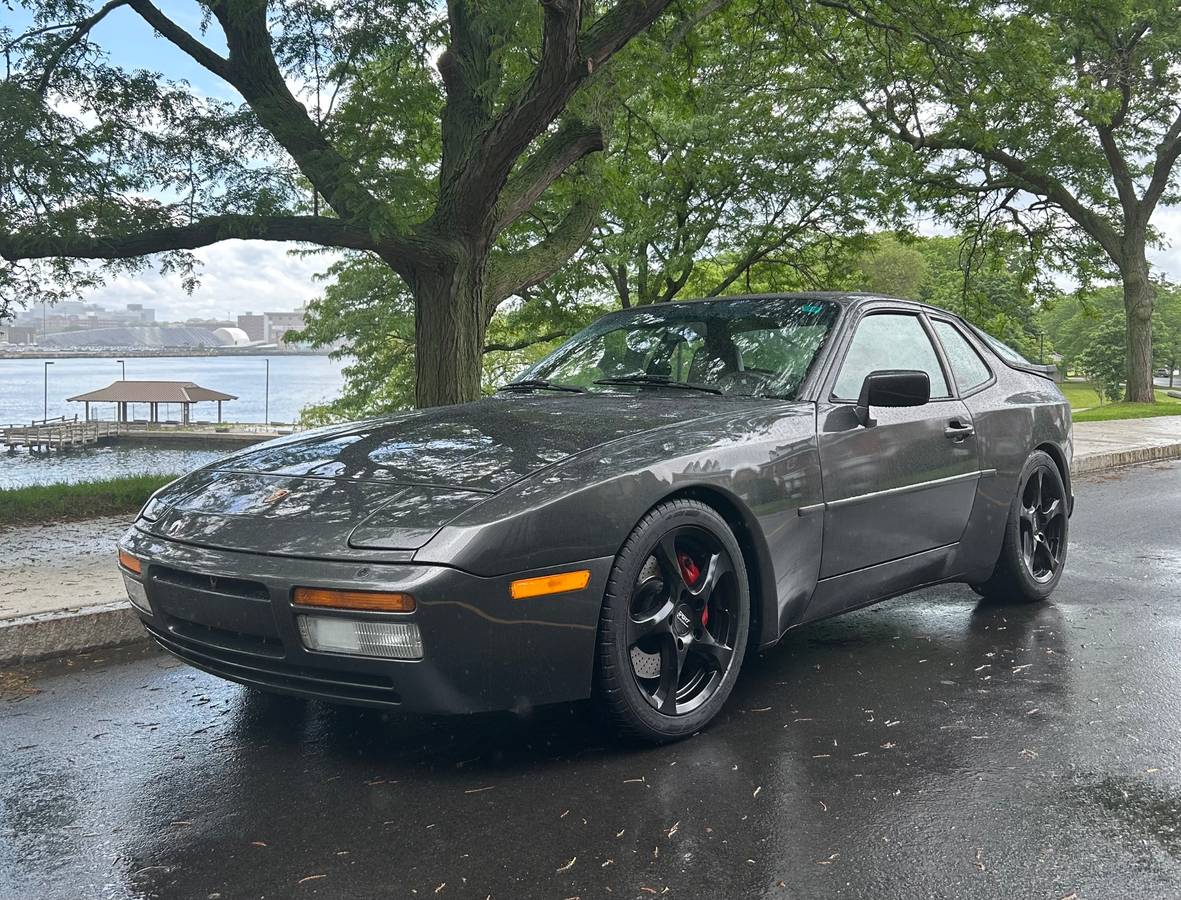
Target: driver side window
(889, 341)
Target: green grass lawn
(83, 500)
(1082, 396)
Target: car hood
(392, 483)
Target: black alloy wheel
(675, 622)
(1033, 551)
(1042, 520)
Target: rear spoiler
(1033, 369)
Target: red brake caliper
(691, 572)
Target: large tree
(1059, 117)
(424, 138)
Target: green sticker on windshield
(812, 307)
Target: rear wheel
(673, 630)
(1034, 549)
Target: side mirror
(892, 387)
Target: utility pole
(123, 367)
(266, 414)
(45, 407)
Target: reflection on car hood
(389, 485)
(482, 446)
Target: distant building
(255, 326)
(232, 337)
(17, 334)
(74, 315)
(279, 323)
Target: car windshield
(749, 347)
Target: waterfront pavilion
(125, 394)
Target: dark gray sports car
(668, 490)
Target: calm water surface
(295, 382)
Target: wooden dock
(61, 434)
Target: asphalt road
(929, 747)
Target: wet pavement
(931, 746)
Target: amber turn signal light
(130, 563)
(550, 584)
(367, 601)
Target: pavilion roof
(152, 392)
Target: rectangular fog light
(361, 637)
(136, 594)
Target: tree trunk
(449, 328)
(1139, 294)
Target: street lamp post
(45, 406)
(266, 408)
(123, 369)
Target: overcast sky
(258, 276)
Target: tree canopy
(424, 136)
(1057, 118)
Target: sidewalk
(60, 591)
(1122, 442)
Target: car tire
(678, 594)
(1037, 532)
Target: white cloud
(236, 276)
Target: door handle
(957, 430)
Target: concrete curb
(30, 638)
(1099, 462)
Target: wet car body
(453, 505)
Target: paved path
(932, 746)
(1099, 445)
(59, 565)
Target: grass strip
(39, 503)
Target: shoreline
(36, 353)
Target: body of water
(295, 382)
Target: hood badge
(275, 496)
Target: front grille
(327, 684)
(215, 584)
(254, 644)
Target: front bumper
(230, 614)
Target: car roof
(846, 299)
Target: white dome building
(232, 337)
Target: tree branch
(512, 273)
(570, 143)
(1031, 179)
(1167, 152)
(81, 29)
(172, 32)
(202, 233)
(525, 342)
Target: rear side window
(889, 341)
(967, 367)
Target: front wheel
(1034, 548)
(673, 629)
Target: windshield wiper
(540, 384)
(658, 381)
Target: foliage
(1102, 358)
(1070, 323)
(1054, 119)
(723, 172)
(986, 283)
(79, 500)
